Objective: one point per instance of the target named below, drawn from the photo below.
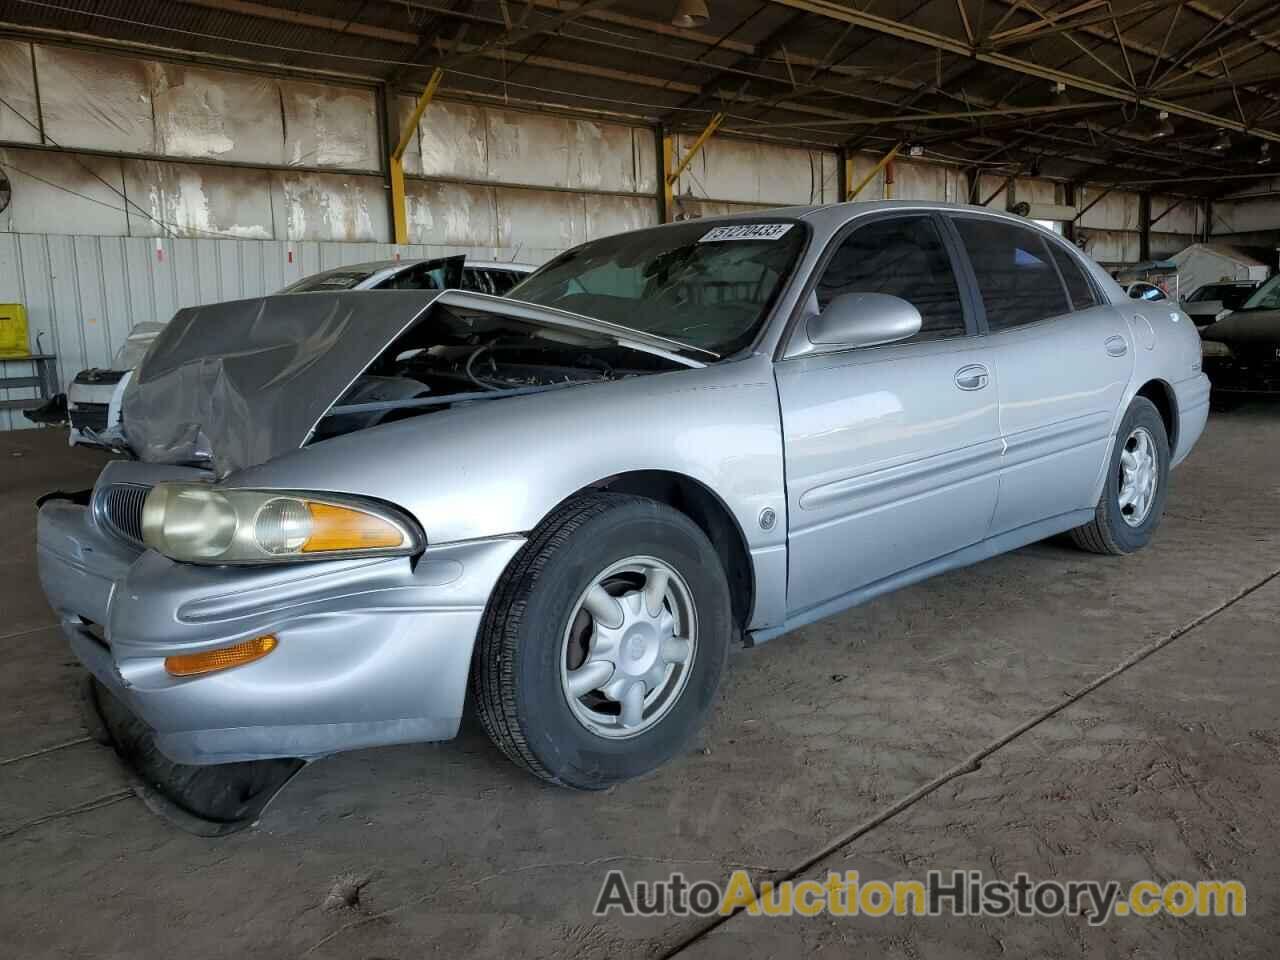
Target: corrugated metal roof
(974, 81)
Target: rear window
(1018, 281)
(334, 280)
(489, 280)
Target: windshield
(1267, 297)
(710, 286)
(1231, 295)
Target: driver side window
(904, 257)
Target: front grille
(96, 375)
(120, 510)
(90, 415)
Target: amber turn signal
(209, 661)
(341, 528)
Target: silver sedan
(349, 508)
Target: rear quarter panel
(1167, 349)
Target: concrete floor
(1165, 769)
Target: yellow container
(13, 330)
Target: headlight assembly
(200, 523)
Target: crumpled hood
(241, 382)
(237, 384)
(1245, 327)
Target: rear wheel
(1133, 497)
(603, 644)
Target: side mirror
(864, 320)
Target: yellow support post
(668, 156)
(668, 197)
(398, 212)
(852, 191)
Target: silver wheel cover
(629, 647)
(1139, 476)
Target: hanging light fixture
(1223, 143)
(1163, 128)
(1060, 96)
(1264, 155)
(690, 13)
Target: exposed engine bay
(461, 357)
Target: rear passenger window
(502, 280)
(903, 257)
(1018, 282)
(1078, 287)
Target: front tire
(1133, 497)
(603, 644)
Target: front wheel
(1133, 497)
(603, 644)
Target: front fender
(498, 467)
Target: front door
(892, 452)
(1065, 359)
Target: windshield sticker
(747, 231)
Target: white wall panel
(1165, 245)
(1176, 215)
(451, 213)
(452, 141)
(197, 200)
(95, 101)
(217, 114)
(758, 173)
(19, 121)
(329, 206)
(1113, 246)
(609, 215)
(328, 126)
(63, 193)
(548, 219)
(862, 164)
(473, 142)
(1115, 211)
(927, 181)
(1246, 216)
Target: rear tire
(1133, 497)
(606, 598)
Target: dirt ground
(1048, 712)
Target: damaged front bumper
(370, 651)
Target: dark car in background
(1211, 302)
(1242, 351)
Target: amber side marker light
(194, 664)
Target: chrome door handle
(1116, 347)
(972, 377)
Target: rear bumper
(370, 652)
(1192, 396)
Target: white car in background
(93, 399)
(1142, 290)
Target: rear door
(893, 451)
(1065, 357)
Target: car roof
(832, 216)
(373, 266)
